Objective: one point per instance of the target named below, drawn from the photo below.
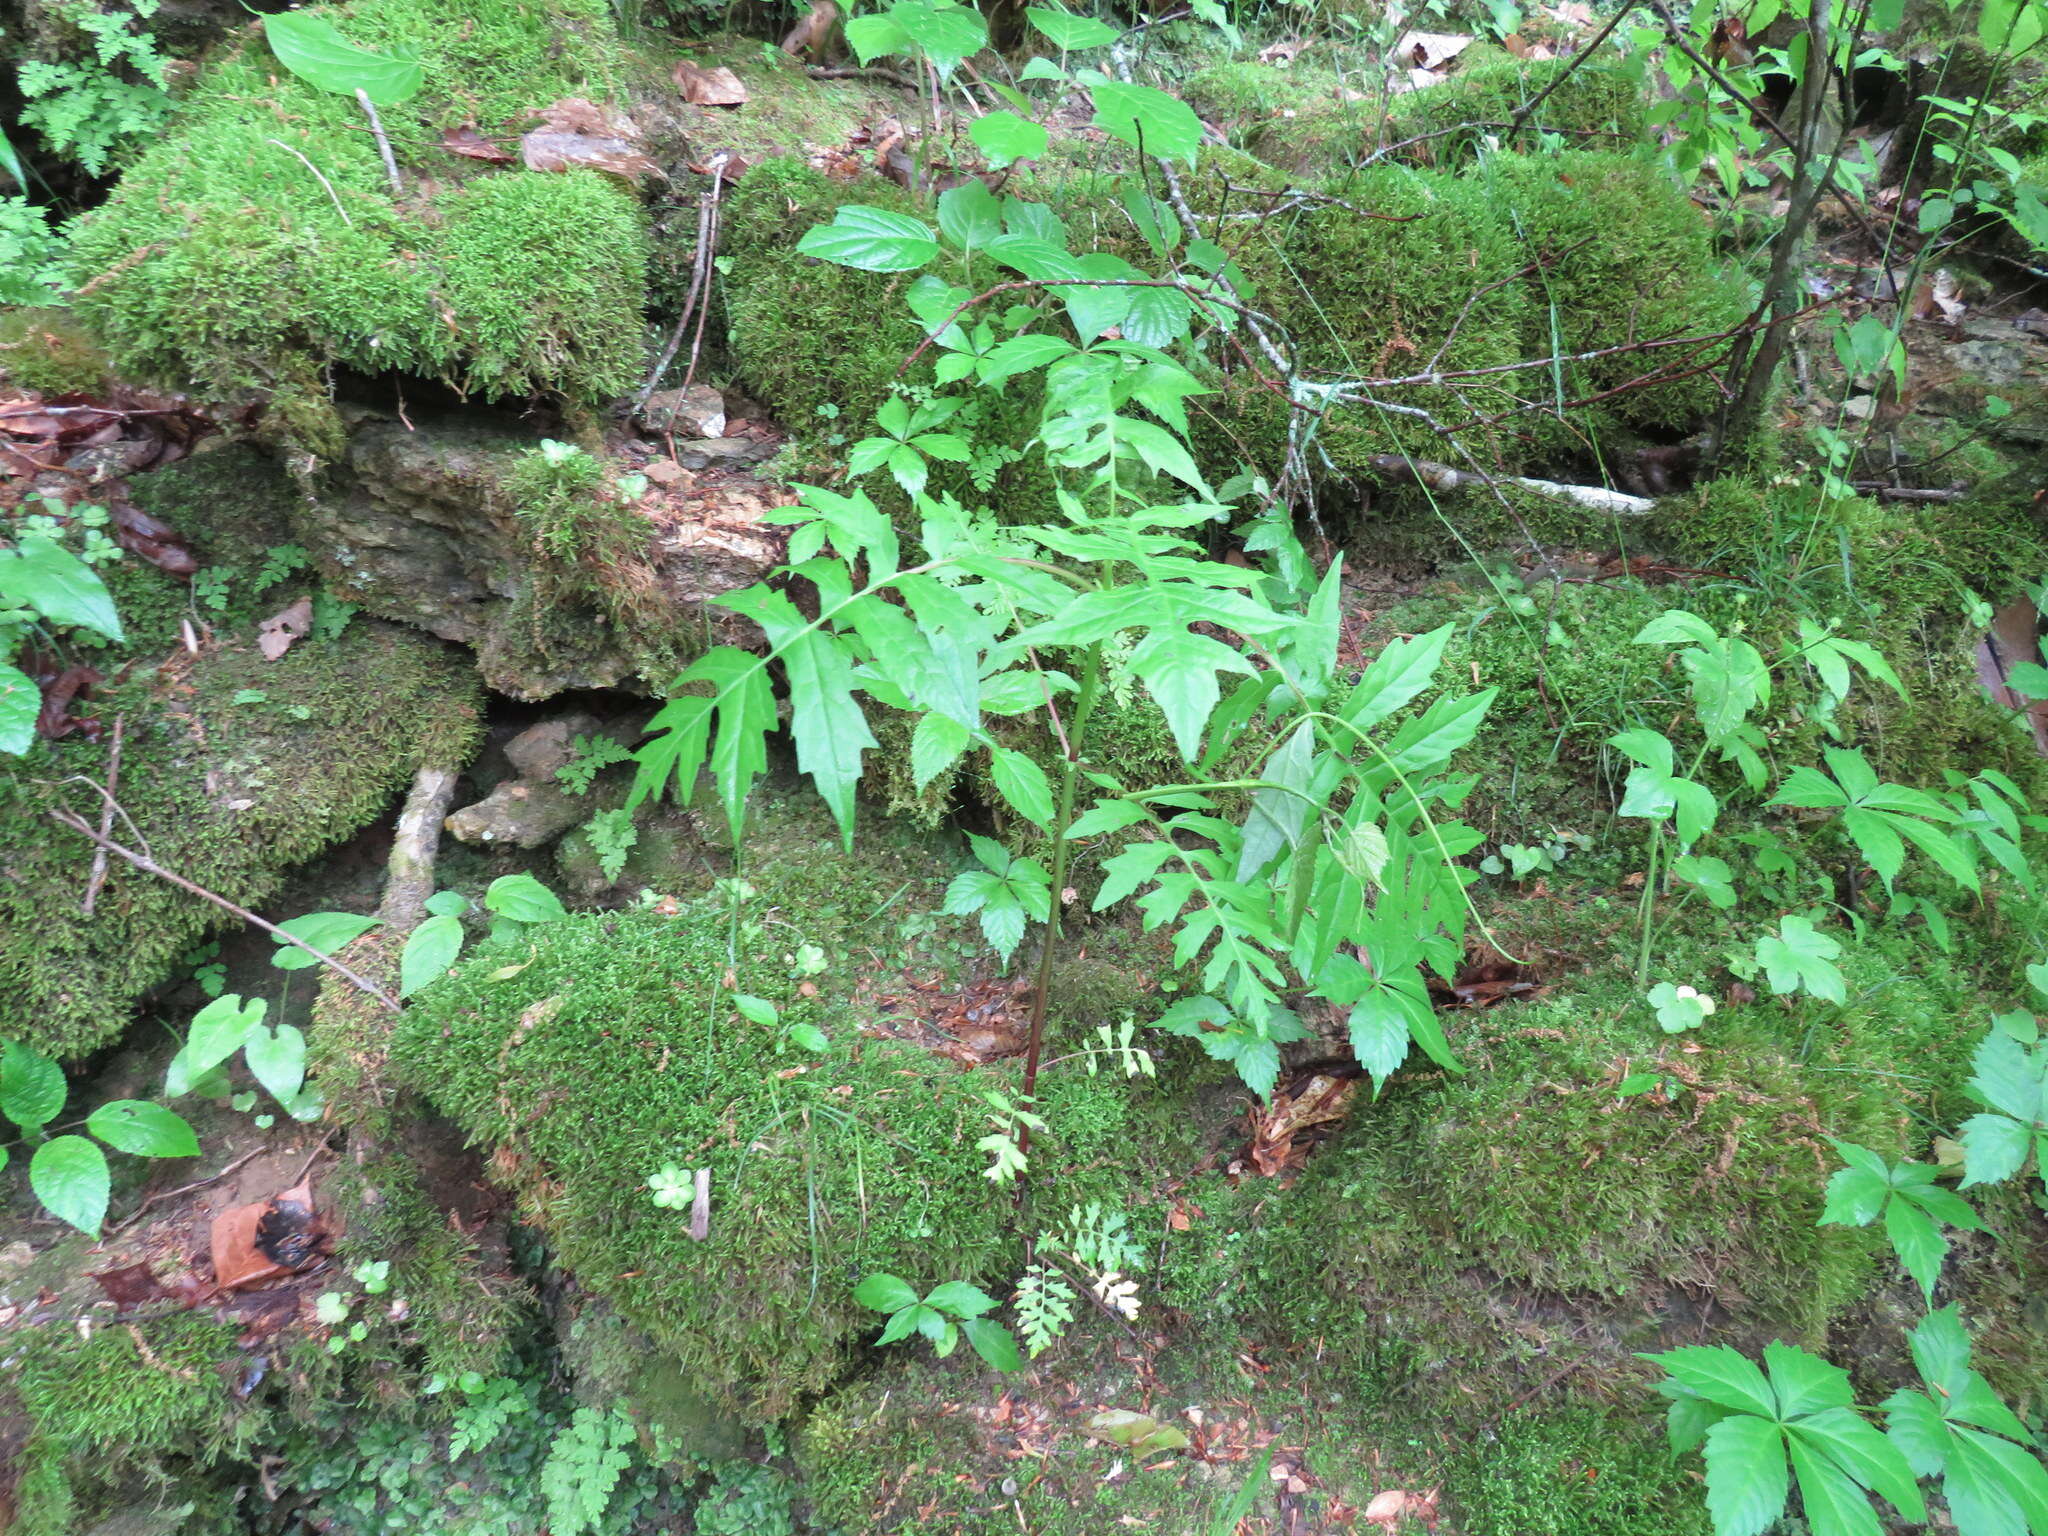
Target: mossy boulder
(260, 245)
(1313, 121)
(1595, 106)
(1626, 257)
(806, 335)
(112, 1419)
(615, 1050)
(233, 769)
(1465, 1230)
(1415, 274)
(1364, 296)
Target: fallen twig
(700, 279)
(1441, 477)
(1884, 492)
(98, 877)
(149, 866)
(383, 144)
(309, 165)
(861, 72)
(183, 1189)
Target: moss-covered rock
(233, 769)
(1468, 1232)
(1364, 296)
(260, 244)
(807, 335)
(1596, 107)
(1626, 257)
(119, 1416)
(613, 1052)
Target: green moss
(1597, 106)
(1239, 88)
(1369, 296)
(1465, 1225)
(1574, 1473)
(227, 795)
(805, 333)
(48, 350)
(1627, 258)
(259, 243)
(1308, 121)
(122, 1409)
(612, 1054)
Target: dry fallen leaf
(1430, 50)
(274, 636)
(130, 1286)
(577, 132)
(718, 87)
(467, 142)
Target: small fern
(583, 1469)
(593, 753)
(612, 837)
(1045, 1305)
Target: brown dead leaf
(1322, 1100)
(129, 1286)
(1280, 55)
(471, 145)
(152, 539)
(236, 1259)
(578, 132)
(717, 87)
(274, 636)
(62, 688)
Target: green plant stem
(1649, 902)
(1070, 773)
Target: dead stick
(99, 857)
(383, 144)
(867, 72)
(151, 867)
(704, 300)
(700, 263)
(184, 1189)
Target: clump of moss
(48, 350)
(1314, 123)
(1576, 1472)
(785, 312)
(229, 794)
(119, 1410)
(614, 1052)
(1364, 297)
(259, 243)
(1626, 258)
(1598, 106)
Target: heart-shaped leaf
(143, 1128)
(278, 1061)
(32, 1087)
(69, 1175)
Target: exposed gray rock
(520, 813)
(416, 525)
(707, 451)
(698, 411)
(536, 752)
